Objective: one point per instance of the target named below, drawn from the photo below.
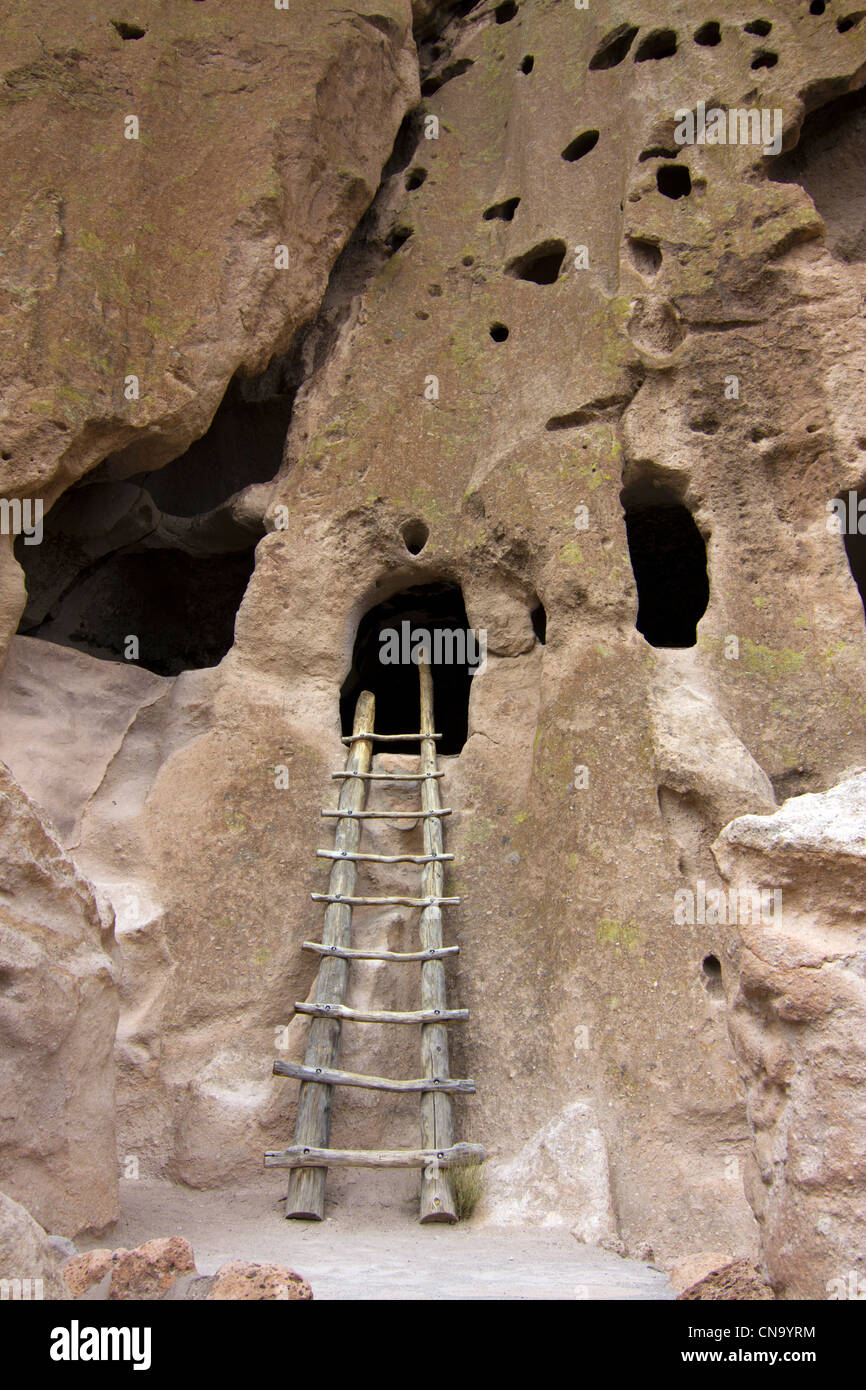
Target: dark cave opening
(541, 265)
(242, 445)
(180, 608)
(853, 508)
(711, 968)
(382, 662)
(538, 618)
(502, 212)
(580, 145)
(674, 180)
(165, 556)
(613, 48)
(669, 561)
(709, 35)
(827, 162)
(660, 43)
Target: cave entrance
(669, 560)
(382, 662)
(851, 513)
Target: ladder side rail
(305, 1197)
(437, 1111)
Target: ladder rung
(328, 1076)
(349, 953)
(390, 776)
(387, 738)
(383, 858)
(340, 1011)
(386, 815)
(392, 901)
(300, 1156)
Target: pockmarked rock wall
(553, 308)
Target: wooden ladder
(310, 1157)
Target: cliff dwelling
(441, 611)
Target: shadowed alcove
(855, 540)
(669, 560)
(435, 608)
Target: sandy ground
(382, 1253)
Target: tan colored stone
(684, 1273)
(739, 1280)
(58, 1016)
(148, 1271)
(81, 1272)
(242, 1280)
(29, 1267)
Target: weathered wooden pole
(306, 1192)
(437, 1115)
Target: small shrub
(467, 1187)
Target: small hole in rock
(661, 43)
(674, 180)
(468, 260)
(818, 6)
(415, 178)
(709, 34)
(528, 64)
(498, 332)
(707, 424)
(397, 238)
(764, 59)
(541, 265)
(504, 12)
(849, 21)
(712, 970)
(538, 618)
(613, 48)
(382, 664)
(580, 145)
(758, 26)
(645, 255)
(415, 536)
(432, 84)
(128, 31)
(656, 152)
(502, 212)
(669, 560)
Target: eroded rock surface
(798, 1023)
(58, 1017)
(29, 1265)
(603, 384)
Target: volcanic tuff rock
(26, 1254)
(451, 360)
(797, 1004)
(58, 1017)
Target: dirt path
(387, 1257)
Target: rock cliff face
(514, 345)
